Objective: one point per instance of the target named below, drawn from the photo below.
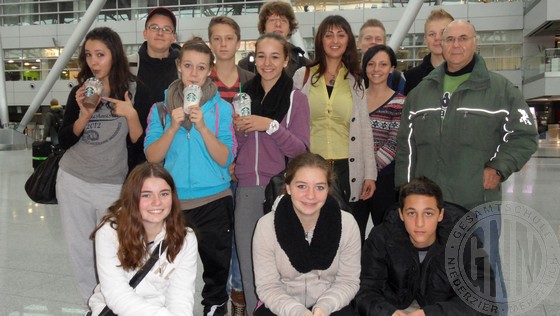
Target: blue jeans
(491, 241)
(234, 278)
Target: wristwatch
(273, 127)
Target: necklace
(334, 75)
(332, 80)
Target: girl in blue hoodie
(197, 149)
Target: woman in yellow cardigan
(340, 130)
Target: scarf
(320, 253)
(276, 103)
(174, 97)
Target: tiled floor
(35, 276)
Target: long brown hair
(350, 57)
(119, 75)
(124, 216)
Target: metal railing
(26, 12)
(547, 61)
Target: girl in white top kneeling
(146, 214)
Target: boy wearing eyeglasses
(154, 64)
(278, 17)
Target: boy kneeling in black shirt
(403, 259)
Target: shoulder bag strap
(307, 70)
(138, 276)
(148, 265)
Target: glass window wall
(502, 50)
(35, 64)
(37, 12)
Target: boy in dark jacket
(403, 259)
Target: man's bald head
(459, 44)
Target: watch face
(273, 127)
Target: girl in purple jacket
(278, 127)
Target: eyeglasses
(277, 20)
(450, 40)
(156, 28)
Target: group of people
(145, 173)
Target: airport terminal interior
(519, 39)
(36, 278)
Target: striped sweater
(385, 122)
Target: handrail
(547, 60)
(197, 10)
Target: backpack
(275, 188)
(57, 122)
(395, 80)
(133, 61)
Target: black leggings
(213, 227)
(383, 199)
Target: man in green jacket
(464, 127)
(467, 129)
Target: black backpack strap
(162, 112)
(395, 82)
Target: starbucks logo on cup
(191, 97)
(89, 91)
(530, 257)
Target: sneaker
(216, 310)
(238, 307)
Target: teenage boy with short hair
(372, 33)
(403, 259)
(433, 37)
(224, 35)
(155, 66)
